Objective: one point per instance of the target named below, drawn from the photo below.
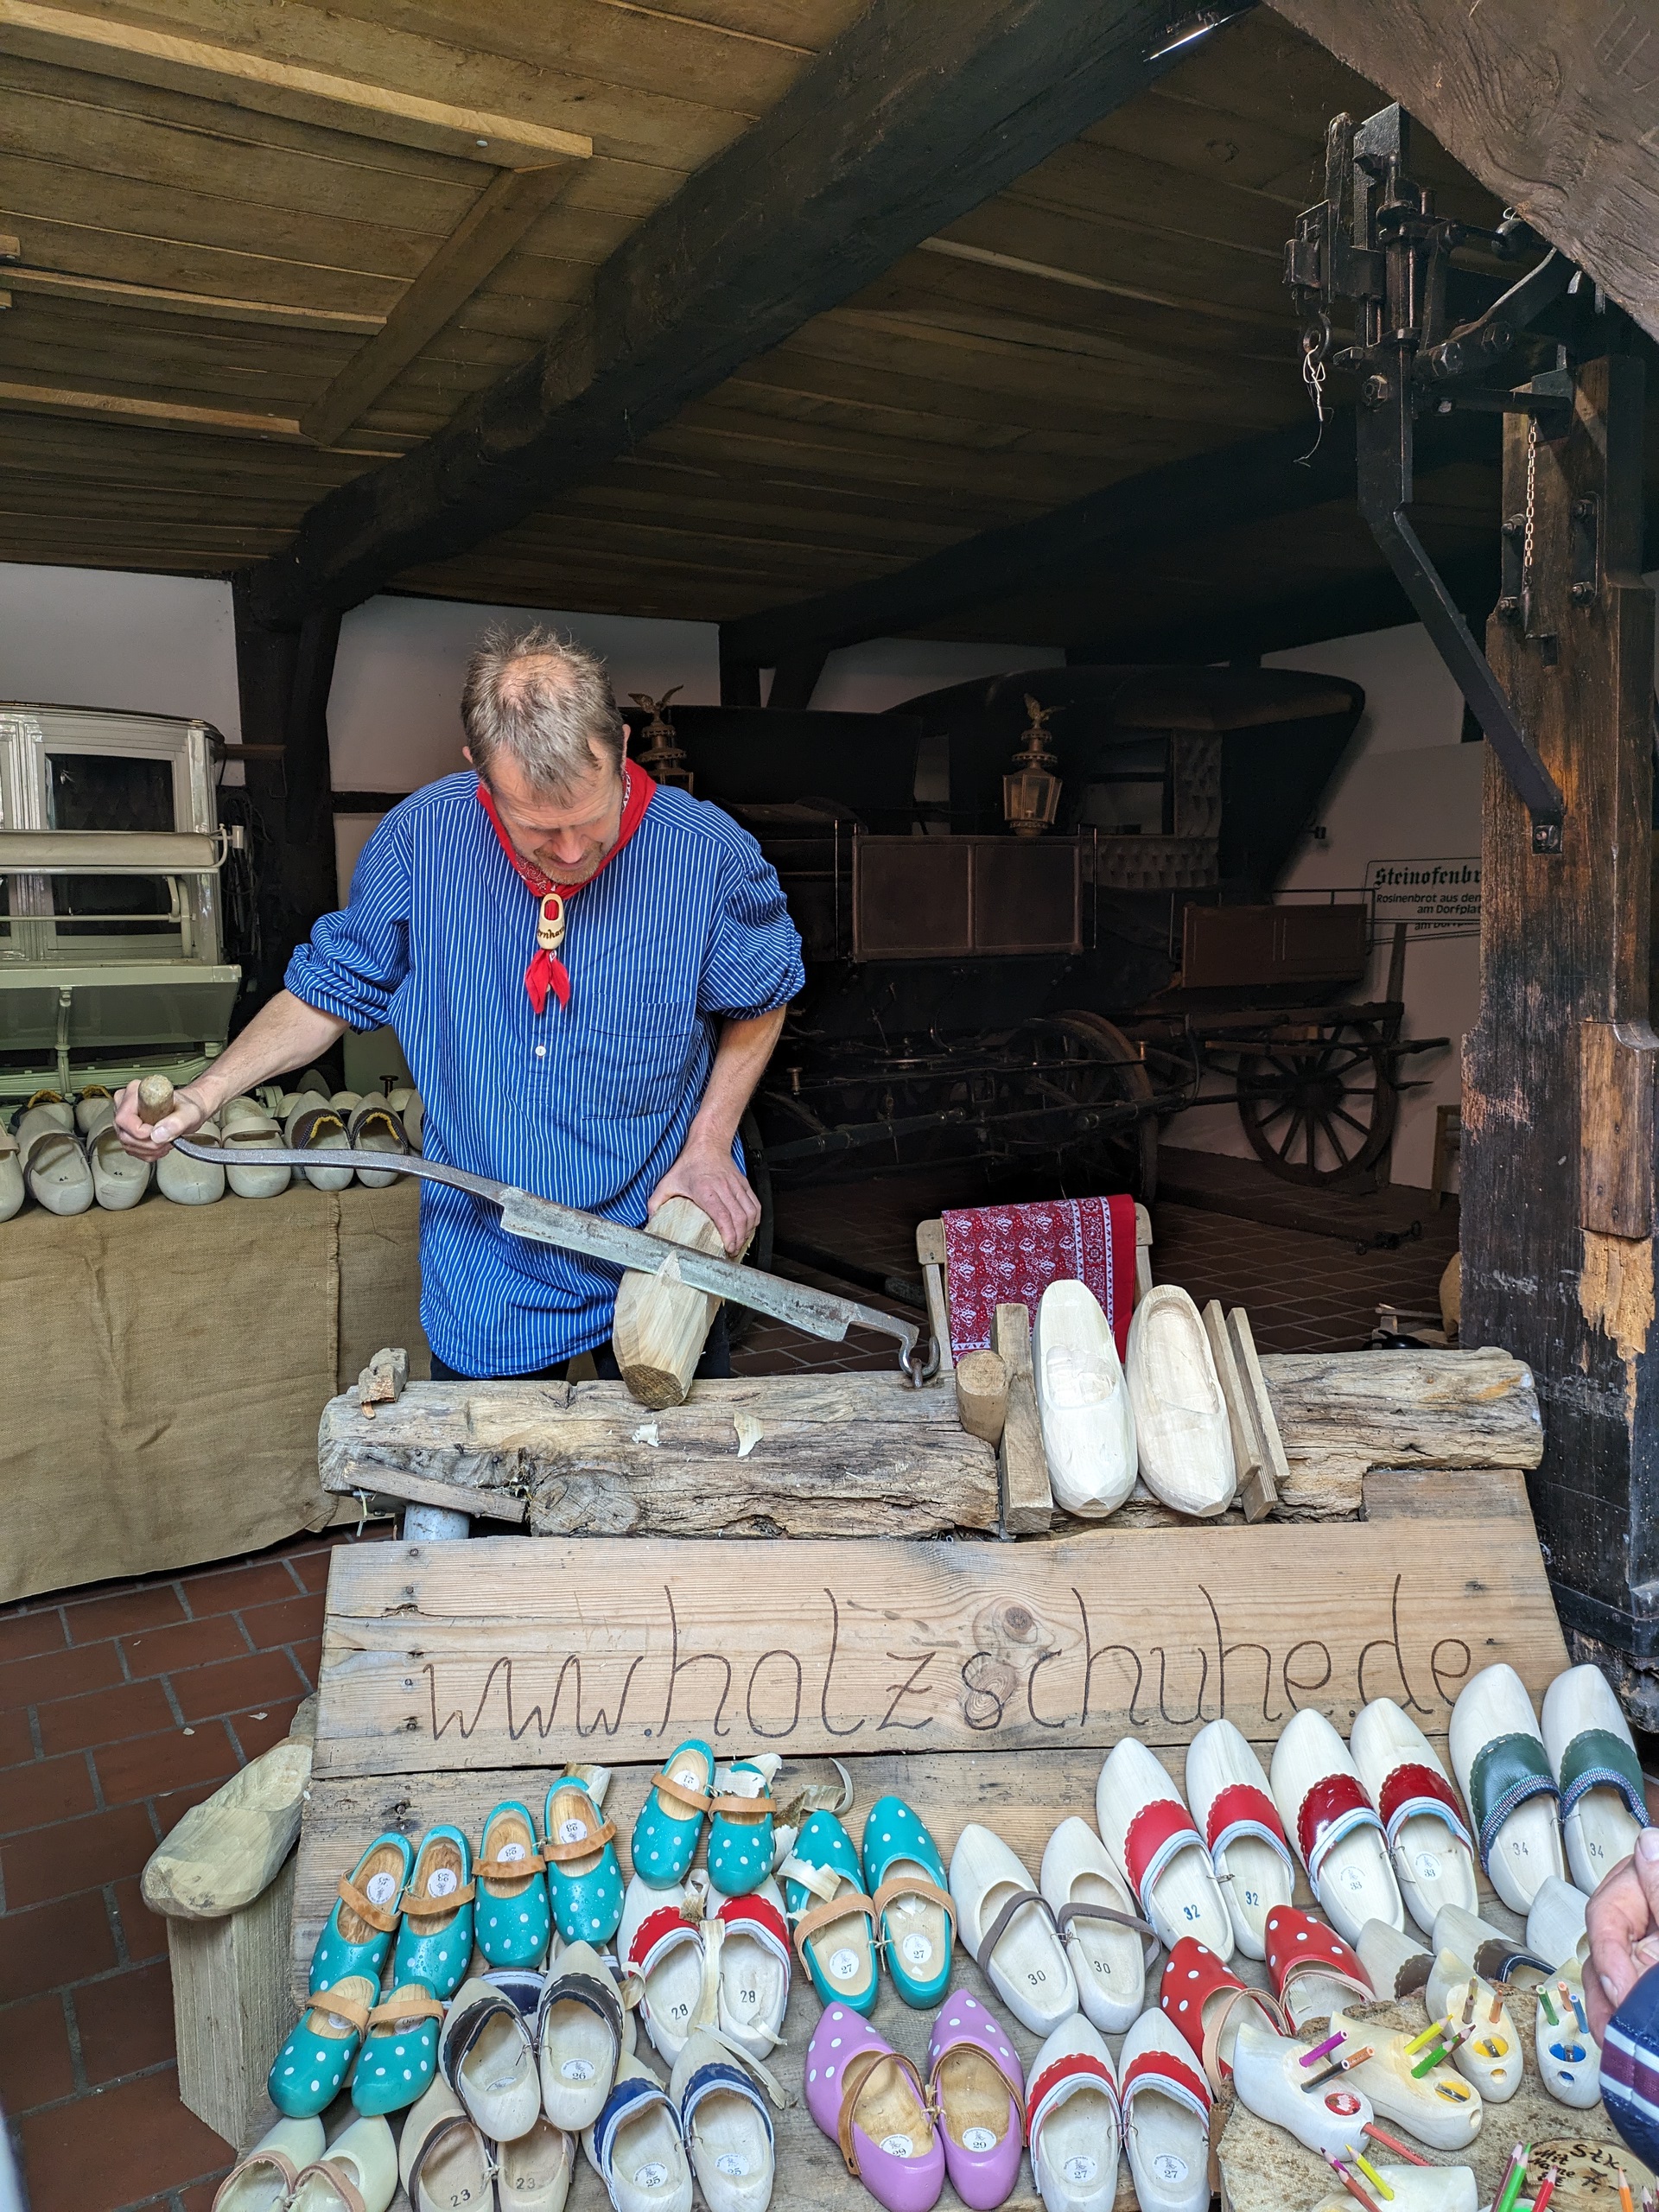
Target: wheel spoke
(1283, 1150)
(1342, 1114)
(1341, 1157)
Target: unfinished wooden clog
(1334, 1825)
(1082, 1401)
(1604, 1799)
(1438, 2107)
(1153, 1840)
(1182, 1436)
(1503, 1770)
(1429, 1838)
(1556, 1925)
(1229, 1792)
(1567, 2057)
(229, 1849)
(1272, 2082)
(1009, 1931)
(1106, 1939)
(1488, 2049)
(1497, 1957)
(1166, 2105)
(1415, 2189)
(1396, 1960)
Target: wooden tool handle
(155, 1099)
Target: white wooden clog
(1490, 2056)
(1429, 1838)
(1106, 1939)
(1396, 1960)
(1439, 2108)
(263, 2179)
(1007, 1926)
(1604, 1800)
(442, 2158)
(1270, 2079)
(1556, 1925)
(1495, 1955)
(1568, 2055)
(1166, 2105)
(1082, 1402)
(1182, 1436)
(1073, 2121)
(1153, 1840)
(1334, 1825)
(1232, 1803)
(534, 2173)
(1503, 1770)
(358, 2172)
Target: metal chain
(1532, 501)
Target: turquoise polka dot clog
(357, 1934)
(308, 2072)
(584, 1877)
(906, 1878)
(671, 1821)
(399, 2055)
(742, 1845)
(435, 1943)
(833, 1921)
(513, 1918)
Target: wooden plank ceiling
(242, 282)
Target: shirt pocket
(639, 1067)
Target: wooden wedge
(224, 1852)
(1276, 1470)
(1255, 1487)
(1021, 1463)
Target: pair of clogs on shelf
(1158, 1413)
(445, 2160)
(847, 1913)
(1011, 1931)
(1156, 1845)
(710, 2125)
(902, 2137)
(292, 2170)
(1081, 2111)
(697, 1959)
(517, 2045)
(425, 1902)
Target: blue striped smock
(587, 1104)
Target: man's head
(545, 735)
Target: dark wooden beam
(1179, 501)
(919, 112)
(795, 678)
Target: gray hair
(543, 701)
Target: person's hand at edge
(714, 1181)
(146, 1141)
(1623, 1921)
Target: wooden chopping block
(982, 1395)
(661, 1323)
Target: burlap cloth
(162, 1373)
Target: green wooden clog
(307, 2073)
(742, 1845)
(906, 1878)
(512, 1916)
(357, 1934)
(436, 1941)
(833, 1921)
(400, 2057)
(671, 1821)
(584, 1877)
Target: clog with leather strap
(398, 2060)
(584, 1877)
(1204, 2000)
(671, 1819)
(309, 2072)
(356, 1937)
(1312, 1969)
(832, 1920)
(435, 1940)
(742, 1845)
(512, 1915)
(904, 1878)
(977, 2094)
(868, 2098)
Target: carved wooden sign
(513, 1651)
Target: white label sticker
(1082, 2168)
(511, 1854)
(843, 1964)
(897, 2146)
(651, 2176)
(443, 1882)
(344, 2026)
(690, 1779)
(380, 1889)
(1427, 1866)
(917, 1949)
(577, 2069)
(729, 2163)
(1168, 2167)
(978, 2139)
(572, 1831)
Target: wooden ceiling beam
(158, 299)
(914, 115)
(107, 46)
(155, 414)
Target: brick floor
(122, 1706)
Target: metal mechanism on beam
(1375, 240)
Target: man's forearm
(287, 1033)
(739, 1062)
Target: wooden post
(1558, 1154)
(661, 1323)
(982, 1395)
(232, 2007)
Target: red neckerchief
(547, 972)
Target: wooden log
(822, 1455)
(1022, 1465)
(1247, 1454)
(504, 1650)
(1274, 1469)
(982, 1395)
(232, 2007)
(227, 1850)
(661, 1323)
(381, 1383)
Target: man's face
(566, 836)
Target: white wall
(869, 679)
(103, 638)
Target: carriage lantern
(662, 759)
(1031, 795)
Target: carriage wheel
(1111, 1069)
(1321, 1111)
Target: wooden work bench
(979, 1679)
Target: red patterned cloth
(1008, 1255)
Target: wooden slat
(1021, 1462)
(207, 307)
(467, 1654)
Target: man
(587, 973)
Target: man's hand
(712, 1179)
(145, 1142)
(1623, 1919)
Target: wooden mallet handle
(155, 1099)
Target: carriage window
(1128, 792)
(108, 790)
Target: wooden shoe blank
(1397, 1959)
(1441, 2109)
(1268, 2075)
(224, 1851)
(1183, 1437)
(1082, 1402)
